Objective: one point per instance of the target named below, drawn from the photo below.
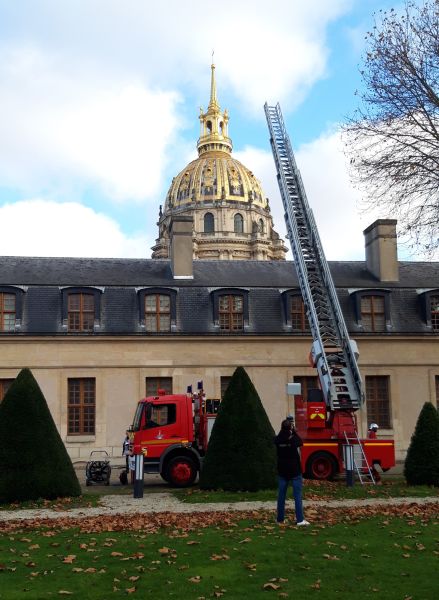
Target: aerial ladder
(333, 353)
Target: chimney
(381, 249)
(181, 247)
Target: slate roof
(264, 280)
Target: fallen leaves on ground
(187, 522)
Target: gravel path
(165, 502)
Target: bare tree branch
(392, 139)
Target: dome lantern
(214, 124)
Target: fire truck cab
(172, 432)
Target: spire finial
(213, 103)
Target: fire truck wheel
(321, 465)
(181, 471)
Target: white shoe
(303, 523)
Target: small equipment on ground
(98, 469)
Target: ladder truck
(326, 419)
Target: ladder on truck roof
(333, 353)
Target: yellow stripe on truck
(377, 444)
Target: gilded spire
(214, 123)
(213, 103)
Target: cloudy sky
(99, 103)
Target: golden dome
(231, 216)
(214, 176)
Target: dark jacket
(288, 458)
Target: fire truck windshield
(138, 417)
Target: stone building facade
(99, 334)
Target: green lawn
(314, 490)
(378, 557)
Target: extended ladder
(361, 464)
(333, 353)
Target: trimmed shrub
(33, 459)
(241, 454)
(421, 465)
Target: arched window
(261, 226)
(209, 223)
(239, 223)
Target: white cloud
(43, 228)
(62, 132)
(331, 197)
(88, 100)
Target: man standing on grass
(289, 470)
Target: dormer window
(230, 309)
(157, 312)
(81, 312)
(434, 311)
(11, 306)
(430, 307)
(231, 313)
(81, 308)
(7, 312)
(372, 309)
(299, 320)
(157, 309)
(295, 311)
(373, 316)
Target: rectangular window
(307, 382)
(154, 384)
(157, 312)
(81, 312)
(434, 311)
(373, 313)
(5, 384)
(378, 400)
(231, 313)
(299, 320)
(225, 380)
(7, 312)
(81, 406)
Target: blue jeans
(297, 493)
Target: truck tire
(181, 471)
(321, 465)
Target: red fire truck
(324, 434)
(172, 433)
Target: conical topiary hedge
(33, 459)
(421, 465)
(241, 454)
